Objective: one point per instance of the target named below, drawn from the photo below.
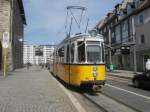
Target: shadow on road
(142, 87)
(80, 90)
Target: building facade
(142, 23)
(12, 20)
(37, 54)
(126, 31)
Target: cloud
(46, 18)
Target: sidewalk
(33, 90)
(121, 74)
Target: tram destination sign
(5, 40)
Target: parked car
(141, 80)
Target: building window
(142, 39)
(141, 19)
(118, 34)
(105, 29)
(125, 30)
(113, 39)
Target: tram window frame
(61, 54)
(68, 54)
(103, 52)
(81, 52)
(93, 42)
(99, 57)
(72, 52)
(57, 57)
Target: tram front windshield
(93, 53)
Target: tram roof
(81, 36)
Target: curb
(125, 77)
(72, 98)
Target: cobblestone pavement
(32, 91)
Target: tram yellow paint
(79, 73)
(80, 60)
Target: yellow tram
(79, 60)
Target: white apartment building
(28, 53)
(36, 54)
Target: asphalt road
(123, 91)
(97, 102)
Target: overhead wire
(78, 22)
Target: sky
(46, 19)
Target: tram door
(68, 61)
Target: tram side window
(103, 53)
(72, 53)
(61, 54)
(67, 56)
(81, 51)
(57, 57)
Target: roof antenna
(70, 12)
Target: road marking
(118, 78)
(113, 79)
(71, 96)
(146, 97)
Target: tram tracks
(109, 104)
(106, 103)
(99, 100)
(100, 107)
(121, 102)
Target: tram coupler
(96, 87)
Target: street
(36, 90)
(74, 56)
(123, 91)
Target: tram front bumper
(93, 82)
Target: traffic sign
(5, 40)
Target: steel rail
(95, 104)
(118, 101)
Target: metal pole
(11, 34)
(110, 58)
(134, 47)
(70, 27)
(5, 61)
(87, 25)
